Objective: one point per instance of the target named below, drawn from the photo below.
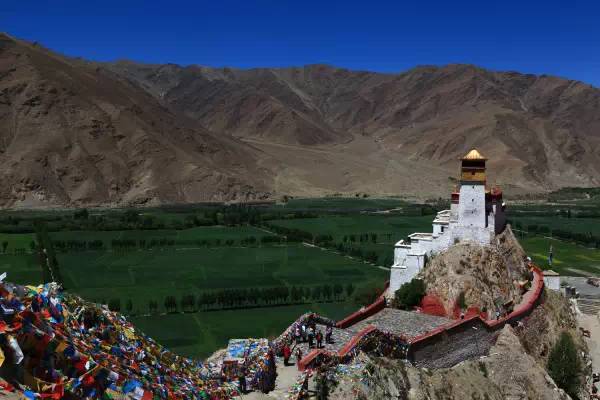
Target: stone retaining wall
(442, 347)
(450, 344)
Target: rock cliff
(508, 373)
(478, 276)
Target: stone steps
(591, 310)
(589, 304)
(589, 297)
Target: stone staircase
(589, 304)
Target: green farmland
(568, 258)
(186, 238)
(345, 204)
(200, 334)
(153, 275)
(143, 257)
(398, 227)
(577, 225)
(144, 275)
(387, 228)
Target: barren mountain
(79, 132)
(540, 132)
(71, 134)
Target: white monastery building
(476, 215)
(551, 280)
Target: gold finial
(474, 155)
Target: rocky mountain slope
(72, 134)
(537, 130)
(79, 132)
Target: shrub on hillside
(564, 365)
(409, 294)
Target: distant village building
(551, 280)
(476, 215)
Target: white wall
(400, 255)
(479, 235)
(400, 274)
(552, 282)
(471, 206)
(454, 211)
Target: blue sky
(542, 37)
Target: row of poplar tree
(242, 298)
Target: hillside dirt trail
(591, 323)
(286, 378)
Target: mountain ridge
(133, 133)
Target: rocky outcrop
(508, 373)
(482, 277)
(541, 329)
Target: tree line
(346, 246)
(133, 219)
(242, 298)
(133, 244)
(585, 238)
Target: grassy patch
(345, 204)
(338, 226)
(569, 258)
(388, 228)
(200, 334)
(16, 241)
(577, 225)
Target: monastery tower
(471, 209)
(476, 215)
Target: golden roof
(474, 155)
